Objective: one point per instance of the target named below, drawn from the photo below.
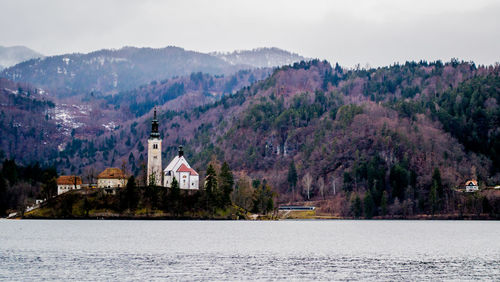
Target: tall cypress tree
(433, 198)
(131, 194)
(369, 205)
(356, 206)
(292, 175)
(436, 179)
(211, 187)
(175, 196)
(226, 184)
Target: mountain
(10, 56)
(112, 71)
(32, 119)
(260, 57)
(400, 137)
(333, 122)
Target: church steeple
(154, 127)
(155, 174)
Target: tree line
(219, 197)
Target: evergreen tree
(356, 208)
(383, 204)
(131, 194)
(10, 171)
(175, 196)
(226, 184)
(151, 197)
(263, 199)
(211, 187)
(3, 196)
(399, 178)
(433, 198)
(436, 179)
(369, 205)
(49, 188)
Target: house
(179, 168)
(471, 186)
(111, 177)
(66, 183)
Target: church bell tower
(154, 176)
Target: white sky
(348, 32)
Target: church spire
(154, 127)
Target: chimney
(181, 151)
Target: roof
(172, 164)
(69, 180)
(112, 173)
(184, 168)
(471, 182)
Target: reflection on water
(231, 250)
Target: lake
(249, 250)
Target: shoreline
(442, 217)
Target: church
(178, 168)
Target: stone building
(66, 183)
(112, 178)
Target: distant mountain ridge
(260, 57)
(10, 56)
(113, 71)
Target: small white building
(111, 177)
(179, 168)
(471, 186)
(66, 183)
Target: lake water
(248, 250)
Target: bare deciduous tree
(321, 186)
(333, 186)
(307, 181)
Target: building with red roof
(180, 169)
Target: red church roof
(184, 168)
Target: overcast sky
(349, 32)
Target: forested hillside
(395, 139)
(301, 111)
(26, 128)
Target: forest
(399, 140)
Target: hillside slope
(326, 120)
(391, 134)
(26, 127)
